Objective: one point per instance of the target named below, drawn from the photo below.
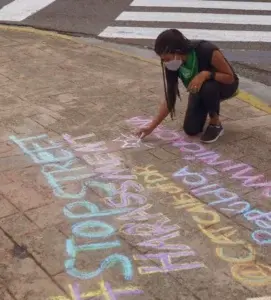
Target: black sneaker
(212, 133)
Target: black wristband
(212, 76)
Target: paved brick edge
(242, 95)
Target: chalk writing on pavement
(245, 267)
(74, 179)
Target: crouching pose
(207, 75)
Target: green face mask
(189, 69)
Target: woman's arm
(224, 73)
(162, 114)
(168, 105)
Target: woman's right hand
(144, 131)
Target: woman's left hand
(196, 83)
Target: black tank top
(204, 51)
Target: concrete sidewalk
(89, 212)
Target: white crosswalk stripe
(212, 35)
(19, 10)
(240, 5)
(193, 18)
(231, 21)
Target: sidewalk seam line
(242, 95)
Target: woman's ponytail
(170, 79)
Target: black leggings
(206, 101)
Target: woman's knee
(209, 89)
(194, 120)
(191, 130)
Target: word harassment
(76, 179)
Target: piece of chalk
(141, 136)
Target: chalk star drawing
(104, 293)
(131, 141)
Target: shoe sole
(214, 140)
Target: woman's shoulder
(206, 46)
(205, 49)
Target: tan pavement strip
(58, 91)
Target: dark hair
(174, 42)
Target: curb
(242, 95)
(36, 31)
(253, 101)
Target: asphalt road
(138, 24)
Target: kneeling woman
(206, 74)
